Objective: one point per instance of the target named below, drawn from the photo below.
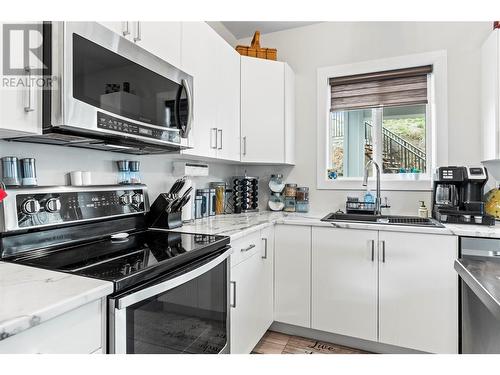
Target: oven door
(108, 85)
(185, 313)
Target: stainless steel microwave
(108, 93)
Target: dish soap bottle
(423, 211)
(369, 198)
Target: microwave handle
(190, 107)
(160, 288)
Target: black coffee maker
(458, 195)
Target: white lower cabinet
(402, 283)
(418, 291)
(344, 282)
(251, 290)
(80, 331)
(292, 275)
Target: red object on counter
(3, 194)
(496, 24)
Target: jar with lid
(135, 174)
(302, 194)
(276, 183)
(123, 172)
(302, 206)
(276, 202)
(290, 190)
(289, 204)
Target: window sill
(422, 184)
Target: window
(403, 127)
(381, 116)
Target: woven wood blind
(380, 89)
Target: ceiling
(244, 29)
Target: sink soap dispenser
(369, 198)
(423, 211)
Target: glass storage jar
(276, 202)
(276, 183)
(302, 206)
(290, 190)
(289, 204)
(302, 194)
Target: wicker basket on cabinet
(255, 50)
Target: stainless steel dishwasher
(480, 328)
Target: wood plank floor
(280, 343)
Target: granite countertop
(30, 296)
(482, 275)
(238, 225)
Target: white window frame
(436, 119)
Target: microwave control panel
(107, 122)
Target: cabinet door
(267, 277)
(292, 275)
(228, 102)
(289, 115)
(344, 282)
(162, 39)
(197, 58)
(262, 110)
(20, 106)
(122, 28)
(246, 316)
(418, 291)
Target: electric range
(171, 289)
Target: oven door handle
(160, 288)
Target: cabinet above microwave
(109, 93)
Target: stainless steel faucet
(378, 199)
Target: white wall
(335, 43)
(53, 162)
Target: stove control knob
(125, 199)
(53, 205)
(30, 206)
(137, 198)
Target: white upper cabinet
(199, 43)
(228, 101)
(20, 105)
(162, 39)
(215, 66)
(418, 300)
(289, 115)
(262, 110)
(119, 27)
(344, 282)
(490, 96)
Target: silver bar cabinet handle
(265, 248)
(219, 131)
(234, 294)
(126, 29)
(244, 145)
(383, 251)
(373, 250)
(138, 32)
(213, 131)
(248, 248)
(30, 100)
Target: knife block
(158, 217)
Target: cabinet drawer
(245, 247)
(79, 331)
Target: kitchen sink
(383, 219)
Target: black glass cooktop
(128, 260)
